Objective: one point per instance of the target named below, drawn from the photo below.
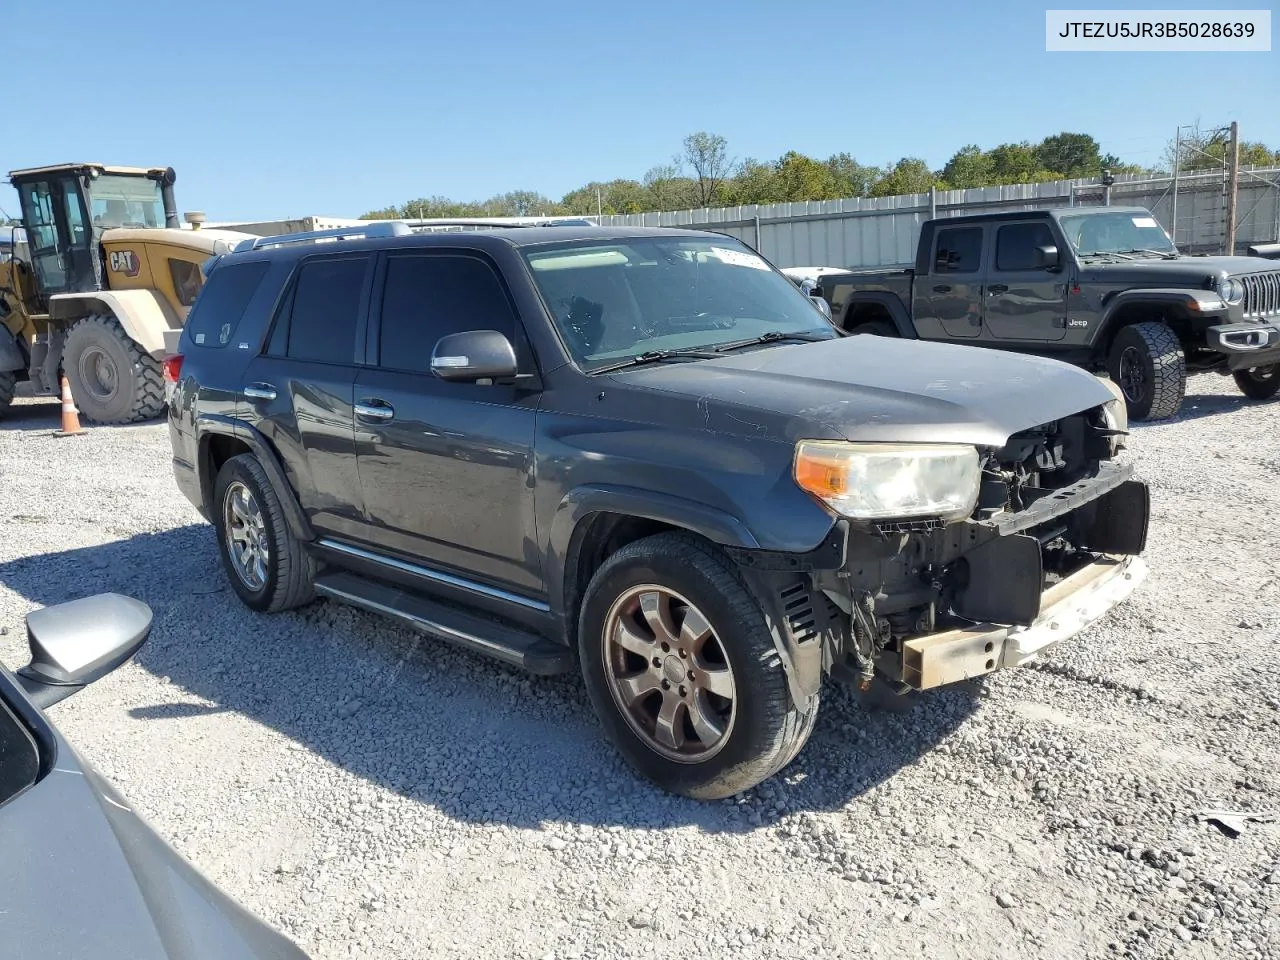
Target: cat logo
(126, 262)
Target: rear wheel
(1259, 383)
(875, 328)
(1147, 362)
(267, 565)
(682, 670)
(8, 383)
(113, 380)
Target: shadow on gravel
(480, 742)
(1196, 406)
(42, 414)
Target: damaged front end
(1050, 543)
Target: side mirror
(73, 644)
(472, 356)
(1047, 258)
(820, 302)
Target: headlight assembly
(1231, 290)
(882, 481)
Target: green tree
(802, 178)
(616, 196)
(852, 178)
(669, 188)
(755, 182)
(1070, 155)
(968, 167)
(708, 156)
(908, 175)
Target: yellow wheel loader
(99, 275)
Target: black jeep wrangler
(1103, 287)
(645, 454)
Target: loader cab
(66, 208)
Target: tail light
(172, 367)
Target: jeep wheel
(113, 380)
(1259, 383)
(682, 670)
(8, 383)
(267, 565)
(1148, 364)
(874, 328)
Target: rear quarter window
(222, 302)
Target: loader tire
(8, 383)
(113, 380)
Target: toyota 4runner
(644, 454)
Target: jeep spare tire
(1147, 362)
(1259, 383)
(113, 380)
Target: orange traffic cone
(70, 415)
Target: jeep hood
(874, 389)
(1199, 272)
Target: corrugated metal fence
(882, 231)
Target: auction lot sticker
(1199, 31)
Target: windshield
(1116, 232)
(118, 201)
(618, 299)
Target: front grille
(1261, 294)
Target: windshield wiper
(1106, 253)
(1163, 254)
(772, 336)
(655, 356)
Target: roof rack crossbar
(374, 230)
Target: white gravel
(377, 794)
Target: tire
(677, 576)
(875, 328)
(287, 570)
(1147, 362)
(113, 380)
(1259, 383)
(8, 383)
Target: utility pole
(1233, 188)
(599, 204)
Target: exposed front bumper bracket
(1066, 609)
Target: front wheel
(1147, 362)
(874, 328)
(682, 670)
(1259, 383)
(113, 380)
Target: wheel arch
(1141, 306)
(865, 307)
(222, 438)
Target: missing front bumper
(1066, 609)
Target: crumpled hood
(876, 389)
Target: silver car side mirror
(75, 643)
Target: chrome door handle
(260, 391)
(375, 410)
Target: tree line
(704, 174)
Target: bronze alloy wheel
(668, 674)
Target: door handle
(996, 288)
(260, 391)
(942, 288)
(373, 409)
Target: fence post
(1177, 162)
(933, 202)
(1233, 189)
(756, 223)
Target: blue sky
(283, 108)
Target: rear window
(325, 310)
(959, 250)
(222, 302)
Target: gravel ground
(377, 794)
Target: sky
(284, 108)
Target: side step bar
(509, 644)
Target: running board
(509, 644)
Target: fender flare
(892, 305)
(1173, 301)
(214, 424)
(144, 314)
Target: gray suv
(647, 456)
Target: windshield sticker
(737, 258)
(1145, 222)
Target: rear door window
(429, 297)
(958, 250)
(324, 311)
(222, 302)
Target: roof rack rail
(374, 230)
(445, 224)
